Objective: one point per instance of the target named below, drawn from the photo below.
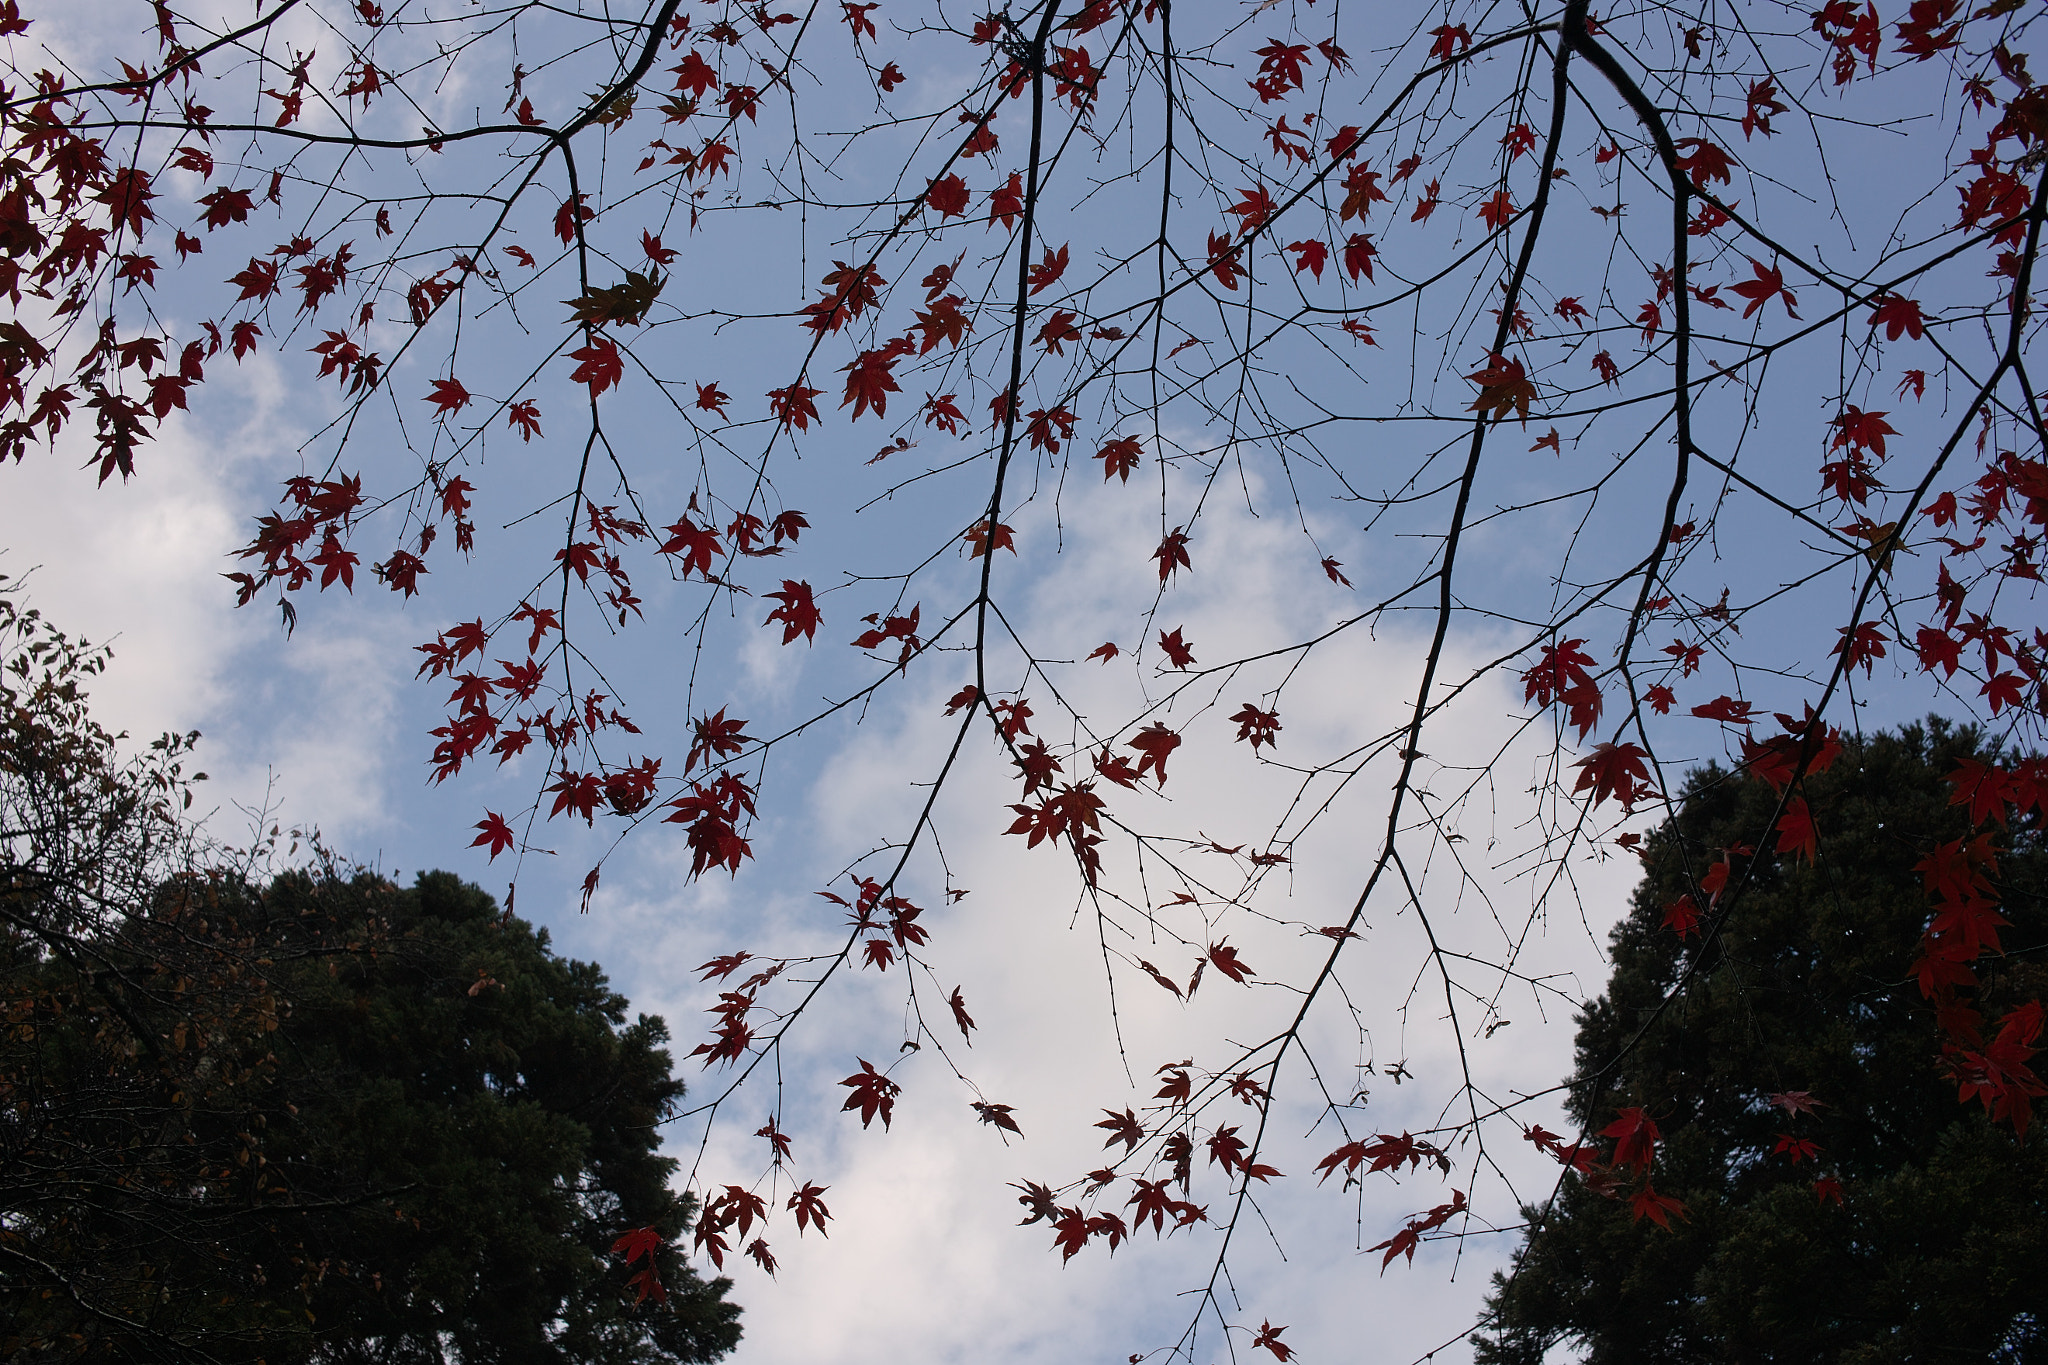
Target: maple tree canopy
(1498, 411)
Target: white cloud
(136, 564)
(924, 1260)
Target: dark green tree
(1937, 1247)
(335, 1120)
(314, 1117)
(496, 1115)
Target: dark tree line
(1839, 1203)
(306, 1117)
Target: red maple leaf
(1155, 743)
(1178, 652)
(1615, 770)
(1256, 727)
(873, 1094)
(1269, 1337)
(948, 195)
(1682, 917)
(798, 613)
(1224, 959)
(1767, 285)
(1172, 553)
(1899, 317)
(494, 832)
(1253, 208)
(1636, 1136)
(809, 1207)
(1043, 275)
(1796, 834)
(448, 396)
(1703, 162)
(598, 365)
(1658, 1208)
(1860, 430)
(869, 381)
(1312, 255)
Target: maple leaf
(798, 613)
(1256, 727)
(1223, 261)
(1172, 553)
(494, 832)
(1312, 256)
(626, 302)
(1704, 162)
(1006, 203)
(1899, 317)
(1636, 1137)
(638, 1243)
(1860, 430)
(570, 218)
(1504, 388)
(1795, 1102)
(981, 539)
(1861, 644)
(962, 1020)
(792, 406)
(997, 1114)
(948, 195)
(715, 740)
(1269, 1337)
(711, 398)
(1726, 710)
(1496, 210)
(1046, 273)
(1178, 652)
(525, 417)
(1449, 41)
(1798, 1148)
(1224, 959)
(448, 396)
(1253, 208)
(1119, 457)
(599, 365)
(1767, 285)
(1658, 1208)
(1070, 1233)
(1796, 834)
(1124, 1128)
(698, 546)
(1682, 917)
(869, 381)
(1615, 770)
(809, 1207)
(873, 1094)
(1155, 744)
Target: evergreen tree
(497, 1114)
(1839, 1204)
(326, 1119)
(333, 1120)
